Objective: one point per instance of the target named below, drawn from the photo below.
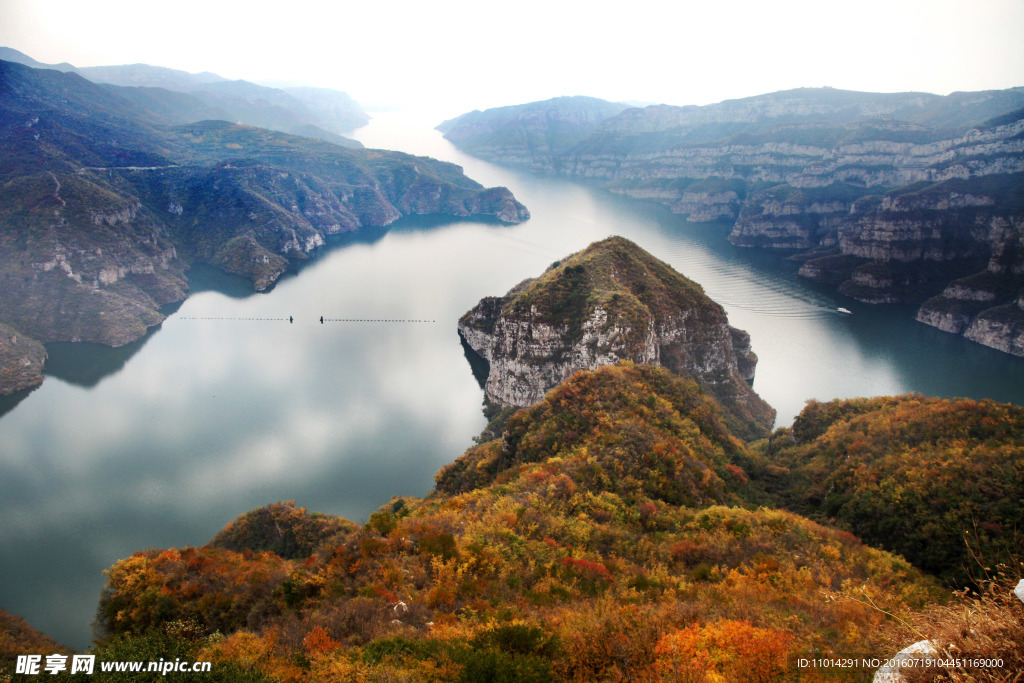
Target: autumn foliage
(281, 528)
(636, 430)
(729, 649)
(923, 477)
(608, 535)
(17, 637)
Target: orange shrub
(318, 642)
(726, 650)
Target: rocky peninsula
(610, 302)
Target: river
(228, 406)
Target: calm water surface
(228, 406)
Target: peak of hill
(634, 430)
(17, 637)
(148, 75)
(281, 528)
(613, 301)
(9, 54)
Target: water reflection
(10, 401)
(229, 409)
(205, 278)
(85, 364)
(478, 365)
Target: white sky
(462, 54)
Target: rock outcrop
(1001, 327)
(21, 361)
(988, 306)
(611, 302)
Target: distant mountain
(822, 105)
(531, 135)
(312, 112)
(104, 203)
(892, 197)
(149, 76)
(331, 105)
(9, 54)
(245, 102)
(176, 107)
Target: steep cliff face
(613, 302)
(988, 306)
(82, 261)
(251, 216)
(1000, 327)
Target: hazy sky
(464, 54)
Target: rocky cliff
(21, 361)
(611, 302)
(104, 205)
(987, 306)
(890, 197)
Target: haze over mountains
(894, 198)
(311, 112)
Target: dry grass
(986, 623)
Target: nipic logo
(31, 664)
(86, 664)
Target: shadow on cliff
(477, 363)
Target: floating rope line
(193, 317)
(375, 320)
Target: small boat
(847, 311)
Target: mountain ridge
(323, 112)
